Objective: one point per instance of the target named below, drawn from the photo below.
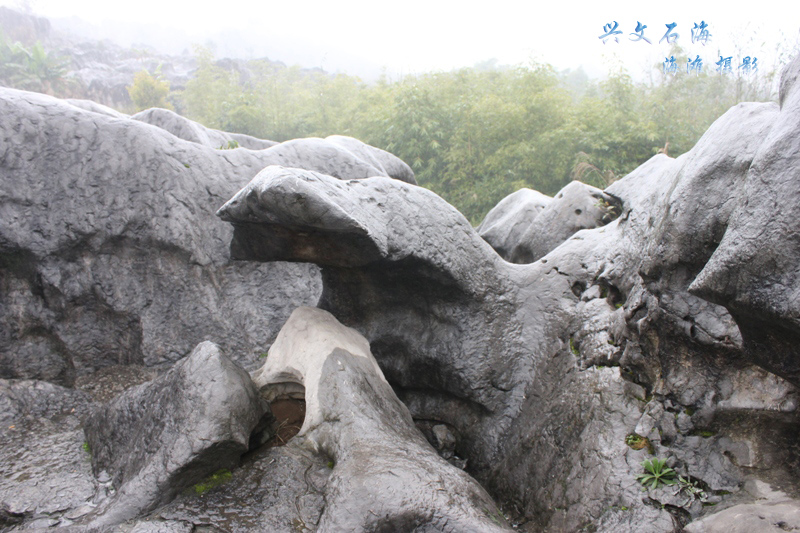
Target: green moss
(637, 442)
(86, 447)
(704, 433)
(573, 347)
(331, 464)
(186, 165)
(214, 480)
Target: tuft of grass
(214, 480)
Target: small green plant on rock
(230, 146)
(637, 442)
(691, 489)
(656, 473)
(573, 347)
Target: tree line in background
(472, 135)
(477, 134)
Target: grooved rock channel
(657, 319)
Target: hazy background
(366, 38)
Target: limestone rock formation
(388, 164)
(94, 107)
(164, 436)
(560, 376)
(505, 222)
(109, 250)
(385, 477)
(527, 225)
(189, 130)
(341, 157)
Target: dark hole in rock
(288, 406)
(578, 211)
(577, 288)
(289, 415)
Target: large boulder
(189, 130)
(503, 225)
(385, 474)
(527, 225)
(755, 271)
(560, 376)
(109, 250)
(164, 436)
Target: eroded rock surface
(526, 225)
(504, 223)
(385, 474)
(109, 250)
(164, 436)
(562, 375)
(189, 130)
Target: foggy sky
(362, 37)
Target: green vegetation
(573, 347)
(472, 135)
(230, 146)
(32, 69)
(149, 91)
(86, 448)
(692, 490)
(475, 135)
(214, 480)
(656, 473)
(637, 442)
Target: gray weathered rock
(527, 225)
(109, 250)
(510, 355)
(385, 475)
(164, 436)
(94, 107)
(276, 489)
(389, 164)
(343, 158)
(772, 511)
(45, 472)
(755, 271)
(504, 224)
(189, 130)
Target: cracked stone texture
(544, 369)
(45, 472)
(526, 225)
(386, 476)
(275, 489)
(109, 250)
(161, 437)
